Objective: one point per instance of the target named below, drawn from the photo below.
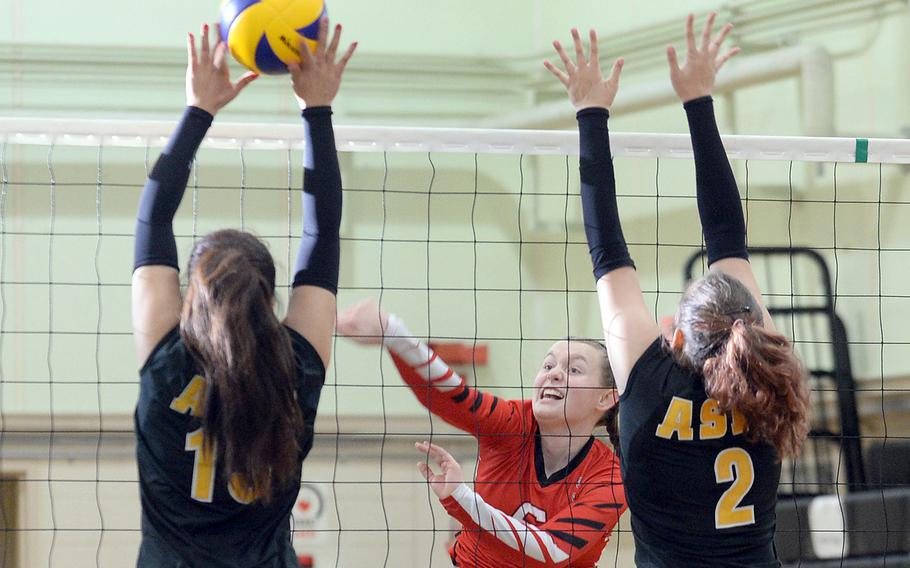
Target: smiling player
(547, 493)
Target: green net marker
(862, 150)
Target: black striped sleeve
(568, 538)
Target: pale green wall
(868, 81)
(399, 26)
(510, 27)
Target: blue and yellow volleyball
(263, 35)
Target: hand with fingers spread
(317, 78)
(696, 76)
(448, 479)
(208, 79)
(582, 78)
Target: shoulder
(604, 460)
(656, 372)
(169, 353)
(655, 355)
(508, 425)
(525, 409)
(167, 374)
(604, 478)
(512, 415)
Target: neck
(559, 447)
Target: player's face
(569, 387)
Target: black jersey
(191, 515)
(699, 493)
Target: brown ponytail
(251, 417)
(610, 421)
(746, 368)
(757, 374)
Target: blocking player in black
(228, 392)
(709, 405)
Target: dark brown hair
(746, 368)
(610, 419)
(251, 417)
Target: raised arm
(560, 541)
(156, 300)
(719, 206)
(316, 80)
(437, 386)
(627, 322)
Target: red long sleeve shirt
(516, 515)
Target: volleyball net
(474, 237)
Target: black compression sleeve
(719, 206)
(320, 248)
(598, 194)
(155, 244)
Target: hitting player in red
(547, 493)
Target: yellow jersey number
(191, 400)
(204, 472)
(734, 464)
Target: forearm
(580, 528)
(603, 229)
(155, 244)
(443, 392)
(423, 366)
(719, 205)
(475, 514)
(319, 254)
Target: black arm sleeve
(155, 244)
(598, 194)
(719, 206)
(320, 249)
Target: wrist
(585, 105)
(693, 97)
(314, 101)
(393, 326)
(592, 111)
(395, 334)
(697, 101)
(199, 112)
(211, 108)
(459, 492)
(316, 110)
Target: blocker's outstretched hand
(317, 78)
(696, 76)
(449, 478)
(583, 78)
(208, 79)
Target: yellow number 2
(734, 464)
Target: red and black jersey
(516, 515)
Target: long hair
(251, 418)
(610, 418)
(746, 368)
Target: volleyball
(263, 35)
